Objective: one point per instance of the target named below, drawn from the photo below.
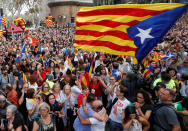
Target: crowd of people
(45, 90)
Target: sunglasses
(100, 107)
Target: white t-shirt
(117, 110)
(97, 125)
(125, 67)
(34, 86)
(76, 92)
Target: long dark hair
(146, 96)
(72, 81)
(129, 110)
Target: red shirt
(98, 88)
(12, 96)
(43, 75)
(80, 98)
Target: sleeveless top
(45, 127)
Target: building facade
(64, 11)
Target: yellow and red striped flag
(113, 28)
(4, 22)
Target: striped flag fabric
(168, 56)
(147, 73)
(127, 29)
(4, 22)
(24, 77)
(91, 65)
(86, 78)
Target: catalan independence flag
(129, 29)
(147, 73)
(86, 78)
(91, 65)
(24, 77)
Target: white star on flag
(144, 34)
(117, 73)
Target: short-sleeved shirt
(171, 84)
(77, 125)
(117, 110)
(97, 87)
(165, 118)
(97, 125)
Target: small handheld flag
(23, 50)
(32, 40)
(169, 56)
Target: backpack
(157, 107)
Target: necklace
(46, 120)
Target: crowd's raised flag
(85, 80)
(4, 21)
(23, 51)
(32, 40)
(20, 22)
(168, 56)
(130, 29)
(48, 22)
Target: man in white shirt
(96, 125)
(123, 65)
(117, 110)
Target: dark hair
(82, 68)
(123, 90)
(165, 76)
(151, 61)
(130, 76)
(185, 102)
(68, 72)
(161, 85)
(9, 87)
(169, 69)
(129, 110)
(84, 87)
(120, 59)
(91, 97)
(184, 76)
(72, 81)
(33, 79)
(47, 98)
(115, 65)
(145, 94)
(43, 96)
(30, 93)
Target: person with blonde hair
(45, 122)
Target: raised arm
(82, 120)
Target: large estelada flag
(130, 29)
(32, 40)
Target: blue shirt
(77, 125)
(183, 69)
